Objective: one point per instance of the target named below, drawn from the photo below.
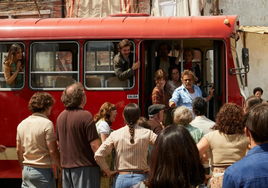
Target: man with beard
(124, 67)
(184, 95)
(163, 61)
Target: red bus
(59, 52)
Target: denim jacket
(249, 172)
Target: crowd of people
(178, 146)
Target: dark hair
(12, 52)
(252, 100)
(257, 89)
(123, 43)
(190, 50)
(131, 115)
(199, 106)
(174, 160)
(73, 95)
(170, 69)
(40, 101)
(256, 120)
(229, 120)
(162, 44)
(104, 112)
(143, 122)
(159, 74)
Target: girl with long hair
(130, 143)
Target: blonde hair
(188, 72)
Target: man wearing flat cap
(156, 115)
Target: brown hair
(73, 98)
(188, 72)
(123, 43)
(40, 101)
(143, 122)
(11, 53)
(229, 120)
(159, 74)
(256, 120)
(174, 160)
(105, 112)
(190, 50)
(251, 101)
(131, 115)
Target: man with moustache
(184, 95)
(124, 67)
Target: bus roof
(118, 27)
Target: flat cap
(155, 108)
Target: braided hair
(131, 115)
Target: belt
(134, 172)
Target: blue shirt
(251, 171)
(182, 97)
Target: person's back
(252, 170)
(75, 128)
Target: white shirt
(203, 123)
(103, 127)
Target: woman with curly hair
(104, 119)
(36, 144)
(227, 144)
(130, 143)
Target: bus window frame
(23, 73)
(93, 73)
(53, 72)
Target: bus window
(4, 47)
(99, 66)
(53, 65)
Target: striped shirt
(128, 156)
(160, 96)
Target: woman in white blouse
(104, 119)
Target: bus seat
(115, 82)
(63, 82)
(92, 81)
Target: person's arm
(211, 93)
(202, 146)
(177, 61)
(7, 71)
(104, 137)
(119, 71)
(174, 99)
(2, 148)
(20, 154)
(155, 96)
(95, 144)
(54, 153)
(228, 180)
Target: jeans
(38, 177)
(128, 180)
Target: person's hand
(172, 104)
(207, 177)
(181, 50)
(2, 148)
(18, 66)
(110, 173)
(211, 90)
(136, 65)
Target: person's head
(173, 73)
(156, 111)
(163, 49)
(256, 123)
(131, 115)
(258, 92)
(188, 54)
(199, 106)
(41, 102)
(14, 53)
(174, 160)
(160, 78)
(108, 112)
(74, 96)
(124, 47)
(143, 122)
(252, 100)
(188, 79)
(229, 119)
(182, 116)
